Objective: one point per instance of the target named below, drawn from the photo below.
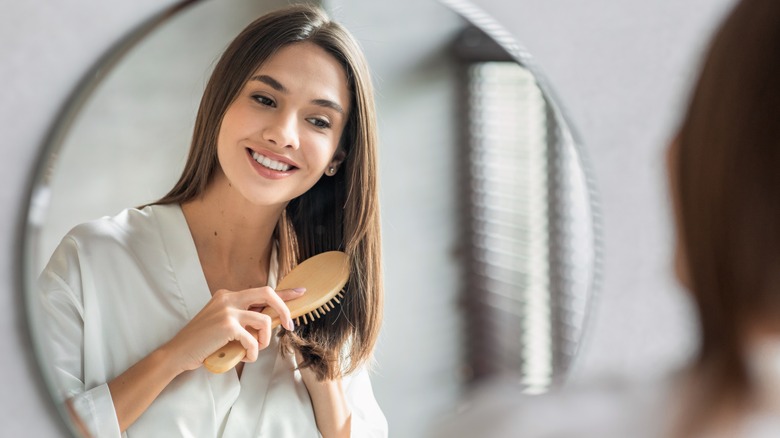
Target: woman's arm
(110, 408)
(134, 390)
(222, 319)
(331, 411)
(345, 407)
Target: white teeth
(269, 163)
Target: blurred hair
(726, 182)
(338, 213)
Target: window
(527, 219)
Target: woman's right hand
(224, 318)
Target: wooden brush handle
(231, 354)
(226, 357)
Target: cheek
(230, 132)
(321, 152)
(234, 122)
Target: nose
(282, 131)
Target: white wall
(620, 68)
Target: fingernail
(300, 290)
(290, 325)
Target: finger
(262, 324)
(291, 294)
(267, 296)
(256, 320)
(250, 344)
(285, 295)
(264, 337)
(255, 297)
(275, 302)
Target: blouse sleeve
(60, 297)
(367, 418)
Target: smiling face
(281, 133)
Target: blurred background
(619, 70)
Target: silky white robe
(117, 288)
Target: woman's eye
(262, 100)
(320, 123)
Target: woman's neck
(233, 237)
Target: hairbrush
(324, 277)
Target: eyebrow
(328, 104)
(273, 83)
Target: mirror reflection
(497, 216)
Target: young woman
(282, 166)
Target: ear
(333, 166)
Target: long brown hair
(726, 179)
(338, 213)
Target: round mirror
(490, 247)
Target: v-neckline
(247, 397)
(183, 257)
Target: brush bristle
(320, 311)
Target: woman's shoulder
(133, 237)
(126, 227)
(134, 233)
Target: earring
(331, 170)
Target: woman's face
(281, 133)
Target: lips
(269, 165)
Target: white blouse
(116, 289)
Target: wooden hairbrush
(324, 277)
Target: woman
(724, 168)
(282, 166)
(725, 179)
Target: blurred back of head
(726, 181)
